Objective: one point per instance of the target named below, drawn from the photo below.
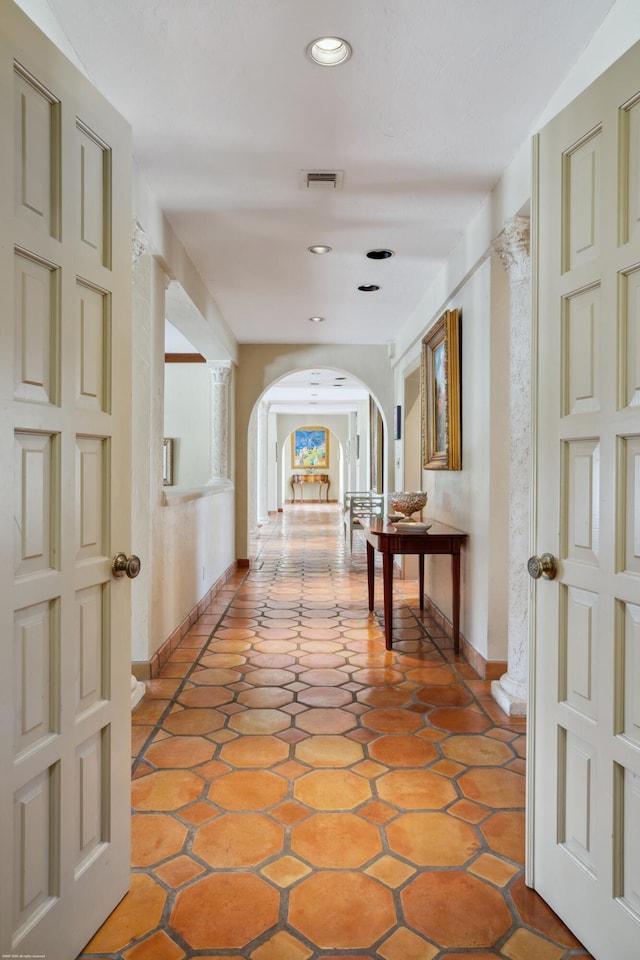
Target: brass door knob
(544, 566)
(122, 564)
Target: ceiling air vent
(321, 179)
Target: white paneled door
(65, 387)
(585, 756)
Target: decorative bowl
(407, 502)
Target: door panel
(585, 757)
(65, 227)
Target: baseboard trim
(486, 669)
(149, 669)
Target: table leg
(370, 572)
(387, 581)
(421, 579)
(455, 577)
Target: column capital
(512, 246)
(219, 372)
(140, 243)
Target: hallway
(299, 793)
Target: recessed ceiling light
(316, 319)
(379, 254)
(329, 51)
(319, 248)
(368, 287)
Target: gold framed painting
(310, 447)
(440, 383)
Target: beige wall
(474, 499)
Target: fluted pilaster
(512, 246)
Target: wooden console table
(299, 479)
(387, 540)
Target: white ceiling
(227, 110)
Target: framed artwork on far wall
(310, 447)
(440, 384)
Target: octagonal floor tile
(200, 721)
(325, 697)
(265, 697)
(325, 677)
(454, 909)
(416, 789)
(328, 751)
(321, 661)
(332, 790)
(324, 641)
(432, 676)
(259, 721)
(222, 660)
(459, 719)
(212, 913)
(362, 910)
(154, 837)
(336, 840)
(384, 697)
(477, 751)
(279, 661)
(254, 752)
(180, 752)
(457, 696)
(165, 790)
(248, 790)
(214, 677)
(377, 677)
(205, 696)
(494, 787)
(238, 840)
(269, 677)
(326, 720)
(433, 839)
(392, 721)
(402, 751)
(275, 640)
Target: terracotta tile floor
(299, 792)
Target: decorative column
(219, 374)
(512, 246)
(140, 520)
(262, 464)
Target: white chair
(360, 504)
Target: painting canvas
(441, 385)
(310, 447)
